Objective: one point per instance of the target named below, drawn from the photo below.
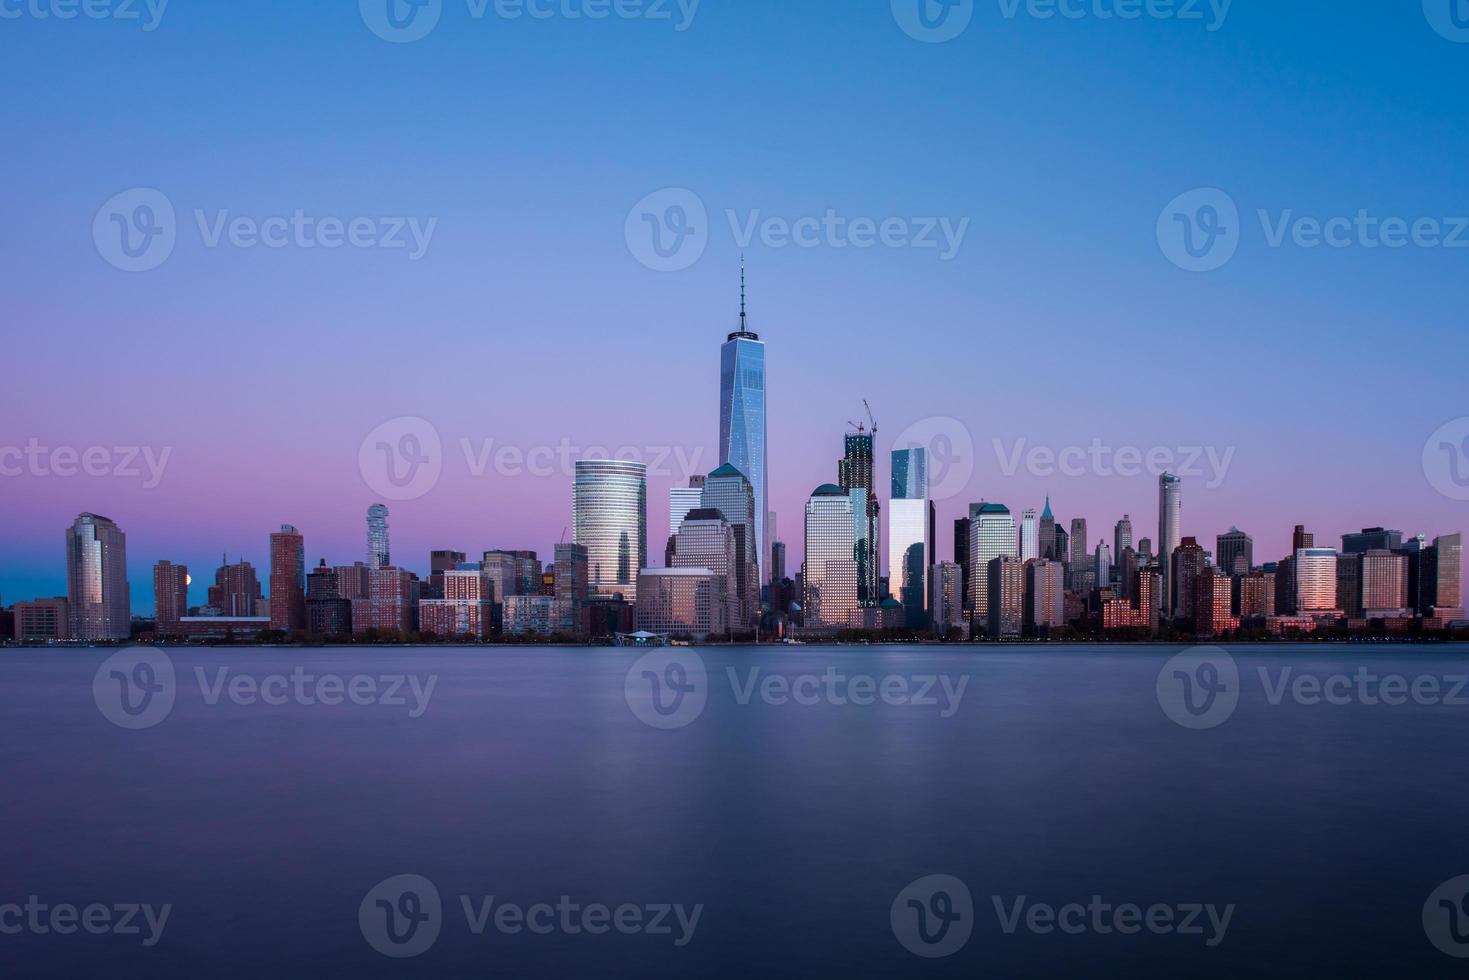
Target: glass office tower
(610, 519)
(910, 544)
(742, 438)
(830, 569)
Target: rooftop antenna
(742, 292)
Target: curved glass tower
(742, 418)
(610, 519)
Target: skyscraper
(1122, 536)
(1079, 554)
(571, 589)
(829, 573)
(1443, 572)
(236, 589)
(1369, 539)
(991, 536)
(910, 544)
(681, 500)
(287, 580)
(1047, 543)
(1315, 582)
(1234, 552)
(1030, 538)
(170, 593)
(742, 421)
(1045, 595)
(855, 475)
(378, 555)
(707, 541)
(1005, 596)
(946, 600)
(610, 518)
(962, 527)
(99, 603)
(1186, 566)
(1104, 565)
(1301, 538)
(1170, 524)
(727, 491)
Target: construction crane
(870, 417)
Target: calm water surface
(530, 774)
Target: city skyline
(1065, 169)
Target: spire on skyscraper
(1046, 514)
(744, 331)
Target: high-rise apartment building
(1045, 595)
(236, 590)
(946, 597)
(1186, 566)
(378, 553)
(170, 593)
(1170, 524)
(1005, 596)
(1314, 573)
(287, 580)
(99, 601)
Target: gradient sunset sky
(530, 321)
